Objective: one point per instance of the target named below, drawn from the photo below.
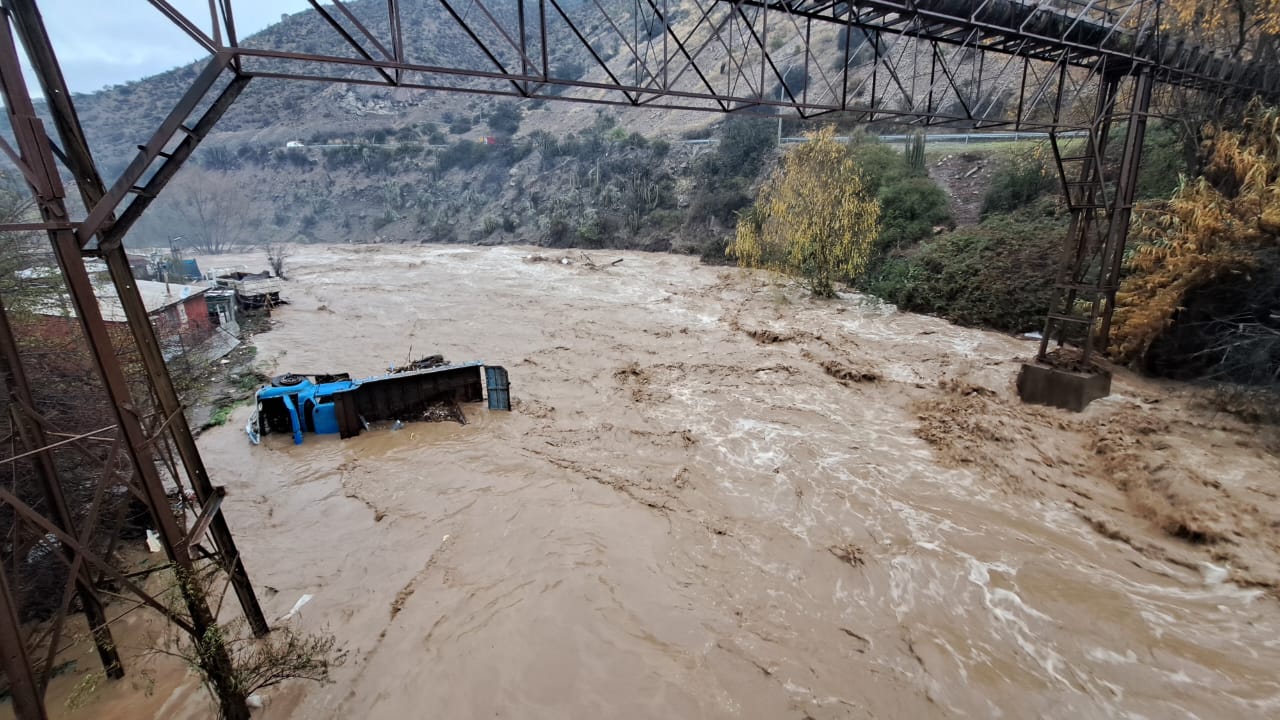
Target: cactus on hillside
(915, 154)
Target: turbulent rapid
(718, 498)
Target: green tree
(910, 209)
(911, 204)
(744, 143)
(879, 164)
(725, 174)
(814, 218)
(504, 119)
(1022, 178)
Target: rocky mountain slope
(313, 161)
(387, 163)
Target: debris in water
(846, 374)
(957, 386)
(296, 607)
(849, 554)
(443, 411)
(591, 264)
(768, 337)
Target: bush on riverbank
(1201, 298)
(997, 274)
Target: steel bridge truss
(1060, 65)
(995, 63)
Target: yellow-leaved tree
(1241, 27)
(814, 218)
(1211, 229)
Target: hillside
(272, 112)
(312, 161)
(382, 163)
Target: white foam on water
(1213, 574)
(1110, 656)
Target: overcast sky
(107, 42)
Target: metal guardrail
(967, 138)
(935, 139)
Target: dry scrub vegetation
(1200, 296)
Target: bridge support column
(1084, 296)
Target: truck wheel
(287, 380)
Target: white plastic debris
(397, 425)
(254, 701)
(297, 606)
(1213, 574)
(153, 541)
(1032, 335)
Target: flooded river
(716, 498)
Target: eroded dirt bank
(716, 498)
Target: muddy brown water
(692, 512)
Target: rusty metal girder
(36, 155)
(111, 249)
(34, 440)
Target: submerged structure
(253, 291)
(299, 404)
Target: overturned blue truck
(430, 388)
